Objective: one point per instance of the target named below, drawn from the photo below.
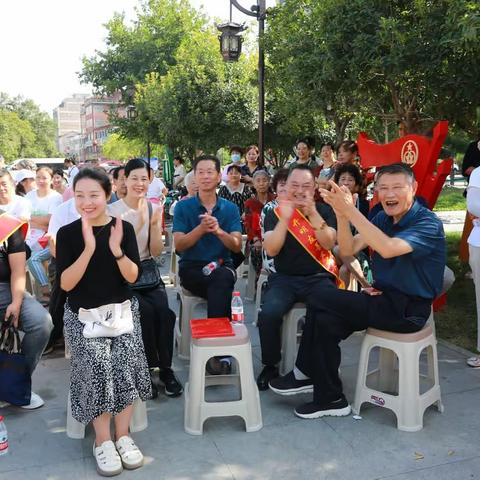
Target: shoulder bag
(110, 320)
(15, 379)
(150, 277)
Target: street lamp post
(231, 47)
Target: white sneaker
(131, 456)
(36, 401)
(108, 460)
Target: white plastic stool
(262, 279)
(138, 422)
(197, 410)
(188, 303)
(409, 405)
(290, 337)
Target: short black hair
(395, 168)
(134, 164)
(212, 158)
(351, 169)
(58, 171)
(308, 141)
(236, 148)
(234, 167)
(116, 171)
(179, 158)
(281, 175)
(97, 175)
(301, 166)
(71, 160)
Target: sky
(42, 42)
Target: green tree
(201, 102)
(38, 140)
(119, 148)
(16, 136)
(409, 60)
(147, 46)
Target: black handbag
(15, 379)
(150, 277)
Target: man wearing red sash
(26, 313)
(408, 264)
(299, 235)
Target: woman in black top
(96, 256)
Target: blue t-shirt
(420, 272)
(209, 248)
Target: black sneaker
(173, 388)
(268, 373)
(289, 385)
(338, 408)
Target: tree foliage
(25, 131)
(201, 102)
(147, 46)
(409, 60)
(118, 148)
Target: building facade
(68, 123)
(96, 126)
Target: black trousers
(58, 297)
(158, 324)
(334, 315)
(282, 292)
(216, 288)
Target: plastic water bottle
(3, 437)
(210, 267)
(237, 308)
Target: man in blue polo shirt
(408, 265)
(207, 229)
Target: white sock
(299, 375)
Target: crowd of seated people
(307, 227)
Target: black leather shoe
(268, 373)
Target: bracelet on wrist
(120, 256)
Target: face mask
(236, 157)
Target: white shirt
(155, 189)
(177, 173)
(19, 208)
(71, 175)
(473, 206)
(62, 215)
(41, 206)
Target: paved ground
(452, 221)
(286, 448)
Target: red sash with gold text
(304, 233)
(9, 225)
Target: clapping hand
(307, 205)
(156, 219)
(339, 198)
(88, 236)
(115, 240)
(209, 223)
(286, 208)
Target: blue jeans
(35, 265)
(282, 292)
(35, 322)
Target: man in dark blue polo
(408, 265)
(207, 229)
